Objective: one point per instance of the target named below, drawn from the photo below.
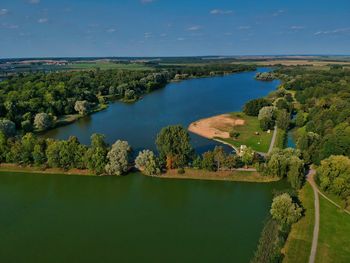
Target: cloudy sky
(53, 28)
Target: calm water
(178, 103)
(134, 218)
(72, 219)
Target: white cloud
(278, 12)
(244, 27)
(180, 39)
(9, 26)
(297, 27)
(228, 34)
(147, 35)
(194, 28)
(333, 32)
(163, 35)
(146, 1)
(43, 20)
(4, 11)
(220, 12)
(34, 2)
(111, 30)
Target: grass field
(298, 245)
(334, 236)
(108, 65)
(260, 143)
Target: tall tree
(173, 143)
(118, 158)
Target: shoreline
(232, 176)
(4, 167)
(248, 176)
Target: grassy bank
(239, 176)
(298, 246)
(247, 134)
(37, 170)
(334, 235)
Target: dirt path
(272, 144)
(310, 179)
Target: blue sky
(53, 28)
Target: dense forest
(57, 94)
(323, 123)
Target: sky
(79, 28)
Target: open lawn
(334, 236)
(247, 136)
(247, 127)
(298, 245)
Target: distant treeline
(24, 96)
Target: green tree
(173, 144)
(53, 153)
(39, 155)
(83, 107)
(3, 147)
(283, 119)
(7, 127)
(247, 156)
(296, 172)
(252, 107)
(26, 126)
(233, 161)
(96, 156)
(333, 175)
(266, 124)
(208, 161)
(267, 112)
(27, 144)
(219, 156)
(282, 104)
(300, 119)
(284, 210)
(118, 158)
(42, 121)
(147, 162)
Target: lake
(177, 103)
(49, 218)
(72, 219)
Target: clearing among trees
(215, 127)
(235, 129)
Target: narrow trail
(310, 179)
(272, 144)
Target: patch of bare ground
(215, 127)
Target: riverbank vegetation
(283, 213)
(265, 76)
(298, 246)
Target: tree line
(323, 123)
